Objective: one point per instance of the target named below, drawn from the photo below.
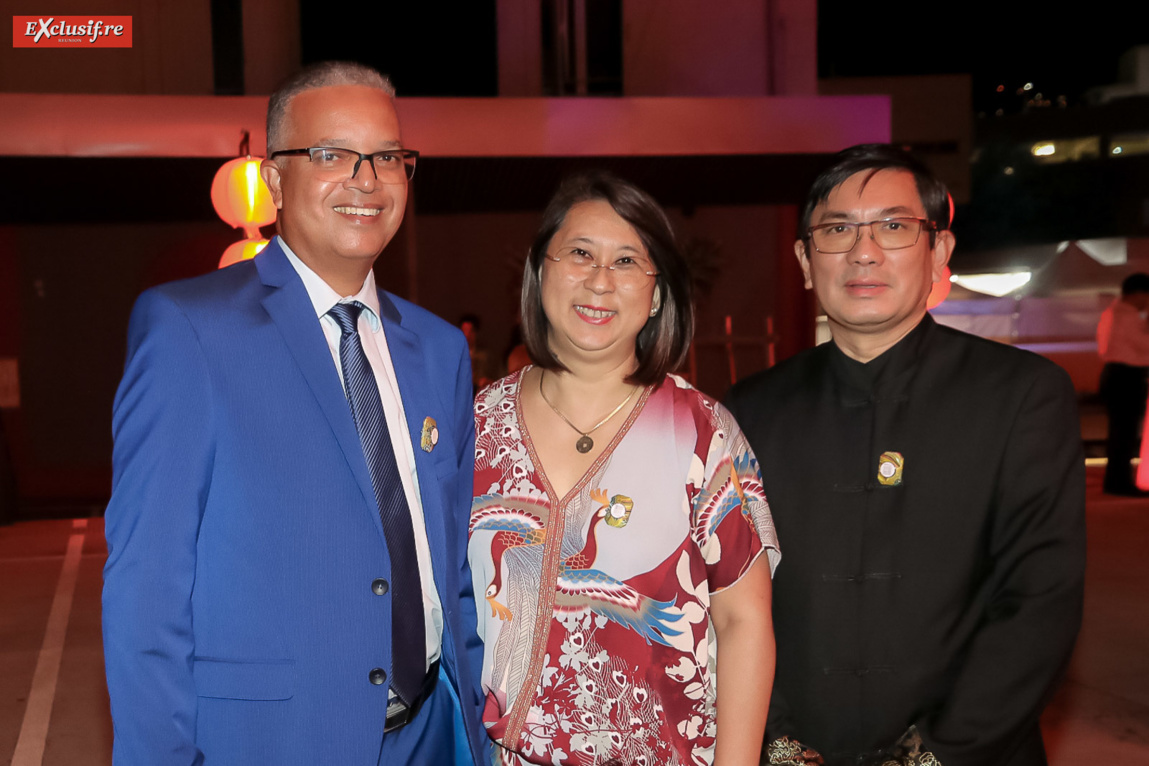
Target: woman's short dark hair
(663, 342)
(875, 158)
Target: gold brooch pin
(616, 510)
(890, 469)
(430, 434)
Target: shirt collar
(323, 297)
(888, 372)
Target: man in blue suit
(286, 579)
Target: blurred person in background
(484, 367)
(1123, 344)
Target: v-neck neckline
(558, 504)
(552, 549)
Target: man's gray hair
(321, 75)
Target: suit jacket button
(379, 586)
(377, 676)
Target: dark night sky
(999, 43)
(428, 49)
(448, 48)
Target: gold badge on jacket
(430, 434)
(890, 469)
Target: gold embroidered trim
(785, 751)
(925, 759)
(908, 751)
(790, 752)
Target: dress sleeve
(730, 522)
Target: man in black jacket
(928, 487)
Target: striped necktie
(408, 640)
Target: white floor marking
(38, 713)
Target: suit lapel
(420, 400)
(290, 308)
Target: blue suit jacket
(240, 622)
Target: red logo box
(71, 31)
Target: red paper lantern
(240, 196)
(244, 250)
(940, 291)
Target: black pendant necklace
(585, 444)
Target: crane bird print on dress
(517, 524)
(521, 523)
(580, 587)
(729, 487)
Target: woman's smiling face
(596, 313)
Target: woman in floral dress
(619, 517)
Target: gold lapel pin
(890, 466)
(430, 435)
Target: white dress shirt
(374, 342)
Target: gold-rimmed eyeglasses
(331, 163)
(887, 233)
(629, 271)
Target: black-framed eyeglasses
(332, 163)
(887, 233)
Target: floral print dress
(594, 607)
